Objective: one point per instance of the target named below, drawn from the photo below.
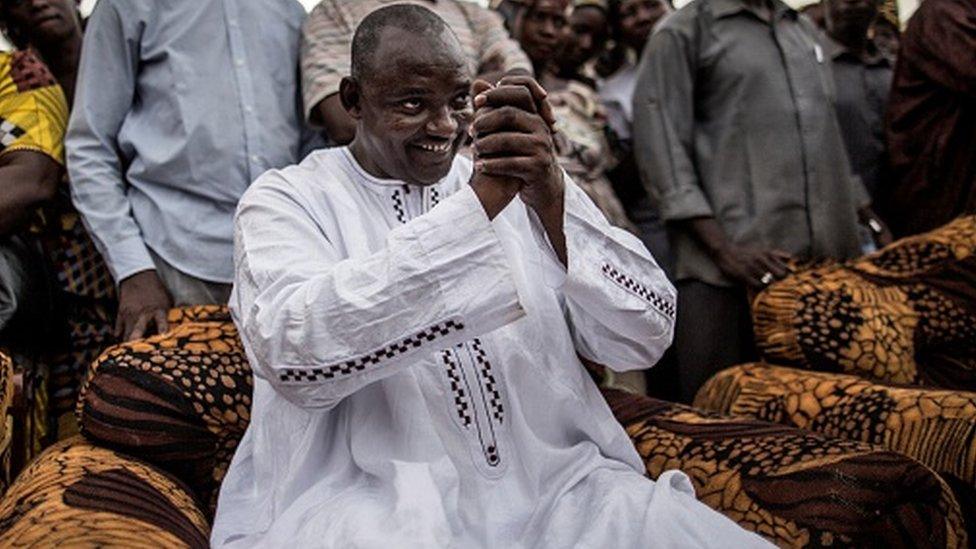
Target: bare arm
(28, 179)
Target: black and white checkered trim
(491, 386)
(662, 305)
(9, 132)
(401, 212)
(461, 403)
(360, 363)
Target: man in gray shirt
(180, 105)
(863, 77)
(737, 141)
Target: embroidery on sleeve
(360, 363)
(661, 304)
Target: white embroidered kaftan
(416, 376)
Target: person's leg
(713, 332)
(188, 290)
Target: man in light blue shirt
(180, 105)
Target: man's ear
(351, 96)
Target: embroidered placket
(430, 197)
(476, 396)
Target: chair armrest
(792, 486)
(78, 495)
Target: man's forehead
(432, 60)
(398, 47)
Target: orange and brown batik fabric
(936, 427)
(180, 400)
(904, 315)
(78, 495)
(6, 420)
(795, 487)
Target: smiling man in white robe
(414, 322)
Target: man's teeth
(436, 148)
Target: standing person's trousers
(713, 332)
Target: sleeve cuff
(127, 257)
(463, 250)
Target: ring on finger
(767, 278)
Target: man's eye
(462, 101)
(410, 104)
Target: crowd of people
(737, 140)
(715, 142)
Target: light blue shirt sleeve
(105, 92)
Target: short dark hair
(408, 17)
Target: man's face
(853, 14)
(44, 22)
(544, 30)
(637, 20)
(414, 108)
(589, 34)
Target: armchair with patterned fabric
(161, 418)
(880, 350)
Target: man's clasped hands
(514, 152)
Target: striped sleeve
(326, 52)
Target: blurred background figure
(738, 142)
(589, 31)
(631, 23)
(931, 124)
(886, 35)
(78, 322)
(180, 105)
(863, 79)
(815, 12)
(53, 29)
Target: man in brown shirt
(932, 120)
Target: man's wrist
(494, 195)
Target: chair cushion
(6, 420)
(936, 427)
(905, 314)
(795, 487)
(78, 495)
(180, 400)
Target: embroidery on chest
(476, 397)
(399, 208)
(401, 196)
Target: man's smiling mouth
(442, 148)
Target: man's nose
(442, 123)
(548, 28)
(645, 13)
(584, 42)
